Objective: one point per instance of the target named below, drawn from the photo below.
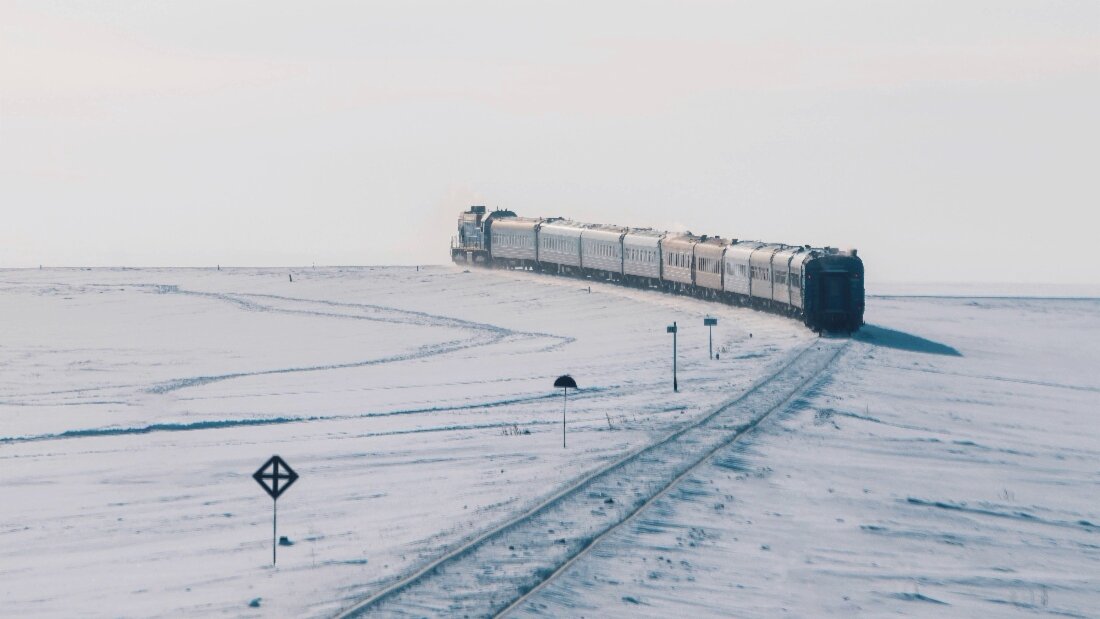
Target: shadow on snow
(889, 338)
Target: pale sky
(948, 141)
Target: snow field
(950, 473)
(135, 405)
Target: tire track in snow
(490, 334)
(1004, 379)
(495, 571)
(218, 424)
(493, 334)
(430, 350)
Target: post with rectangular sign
(672, 329)
(710, 324)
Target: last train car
(832, 290)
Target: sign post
(275, 482)
(672, 329)
(565, 382)
(710, 324)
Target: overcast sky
(948, 141)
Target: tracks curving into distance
(496, 571)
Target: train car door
(835, 290)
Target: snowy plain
(945, 464)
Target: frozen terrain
(945, 462)
(957, 475)
(416, 406)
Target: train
(821, 286)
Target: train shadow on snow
(889, 338)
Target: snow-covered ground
(945, 463)
(416, 405)
(951, 473)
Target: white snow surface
(945, 463)
(129, 404)
(956, 473)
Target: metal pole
(274, 519)
(710, 342)
(564, 401)
(675, 386)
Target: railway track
(498, 570)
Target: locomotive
(821, 286)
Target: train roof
(515, 222)
(572, 228)
(576, 227)
(606, 228)
(647, 232)
(716, 240)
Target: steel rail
(485, 539)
